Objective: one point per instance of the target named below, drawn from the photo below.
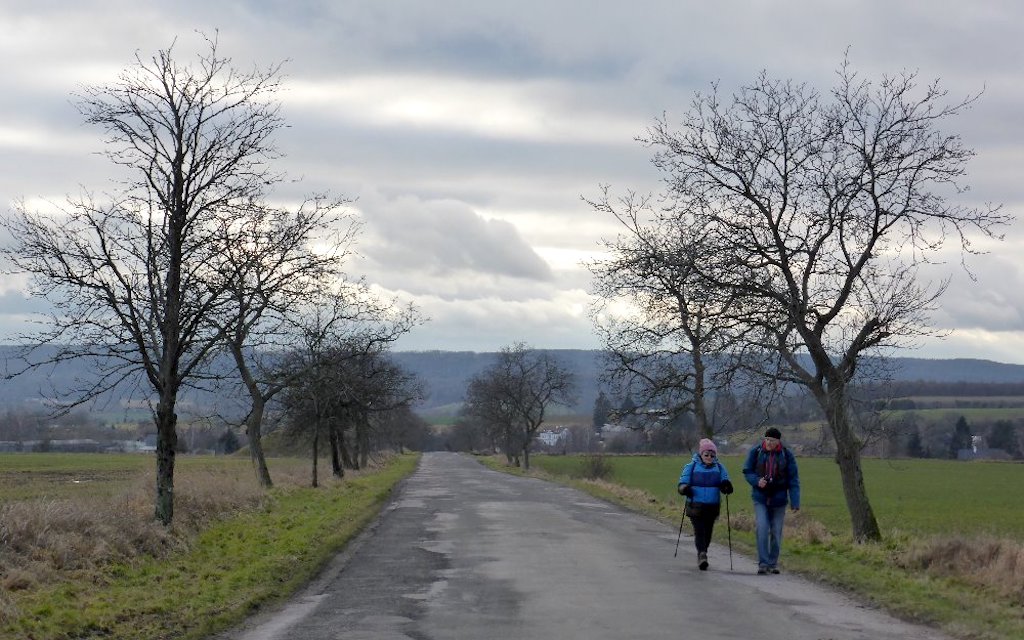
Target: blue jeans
(769, 533)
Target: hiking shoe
(774, 570)
(702, 561)
(762, 571)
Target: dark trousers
(702, 517)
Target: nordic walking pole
(728, 527)
(679, 537)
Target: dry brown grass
(993, 563)
(45, 540)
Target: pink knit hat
(707, 445)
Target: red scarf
(771, 463)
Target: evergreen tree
(228, 442)
(961, 437)
(915, 448)
(627, 408)
(602, 410)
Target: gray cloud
(446, 237)
(992, 301)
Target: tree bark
(336, 467)
(346, 457)
(253, 428)
(166, 444)
(253, 421)
(836, 406)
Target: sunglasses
(708, 453)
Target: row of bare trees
(345, 393)
(787, 243)
(187, 256)
(510, 400)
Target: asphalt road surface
(466, 552)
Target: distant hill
(957, 370)
(446, 373)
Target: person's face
(772, 443)
(707, 457)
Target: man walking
(771, 471)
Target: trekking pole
(679, 537)
(728, 527)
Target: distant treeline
(925, 388)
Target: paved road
(466, 552)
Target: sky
(469, 133)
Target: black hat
(772, 432)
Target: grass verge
(967, 583)
(209, 582)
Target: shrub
(596, 467)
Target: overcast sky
(467, 131)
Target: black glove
(726, 487)
(686, 490)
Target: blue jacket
(784, 484)
(705, 480)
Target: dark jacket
(783, 477)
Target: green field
(926, 497)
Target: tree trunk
(862, 517)
(253, 429)
(346, 458)
(848, 446)
(166, 444)
(336, 467)
(526, 458)
(254, 421)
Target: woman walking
(702, 481)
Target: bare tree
(827, 207)
(337, 369)
(487, 408)
(128, 275)
(379, 388)
(670, 335)
(517, 391)
(269, 269)
(400, 429)
(338, 395)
